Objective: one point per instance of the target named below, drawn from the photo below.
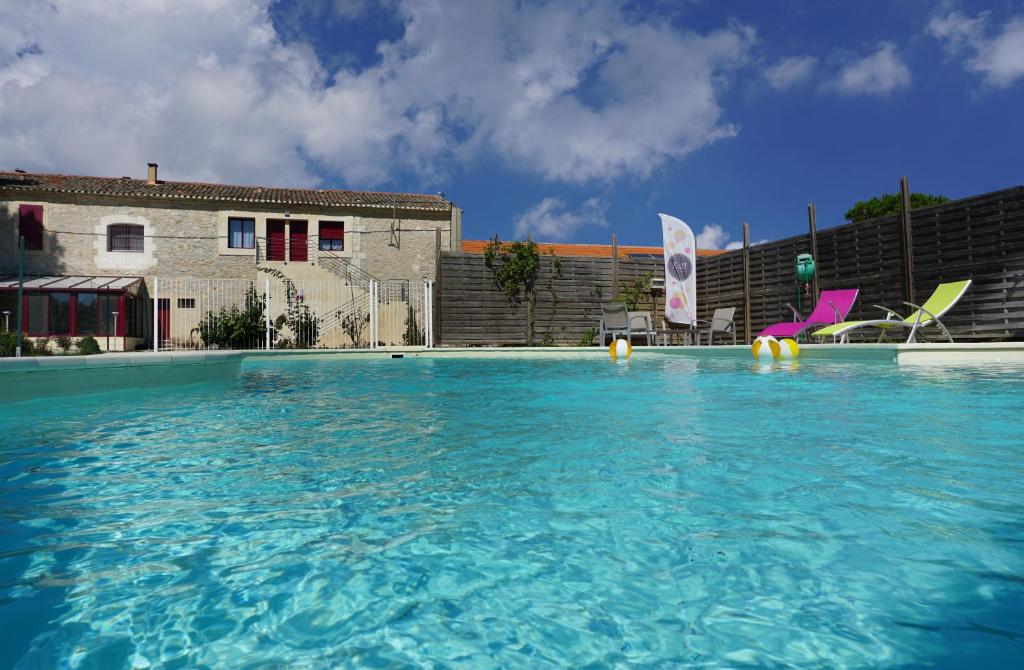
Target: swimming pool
(519, 513)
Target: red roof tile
(477, 247)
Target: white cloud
(548, 220)
(713, 236)
(211, 90)
(999, 58)
(791, 71)
(879, 73)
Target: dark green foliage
(515, 265)
(639, 292)
(234, 327)
(889, 203)
(413, 334)
(354, 324)
(64, 342)
(298, 317)
(8, 341)
(88, 346)
(588, 337)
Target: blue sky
(568, 121)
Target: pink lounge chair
(833, 306)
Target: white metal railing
(400, 313)
(275, 312)
(277, 251)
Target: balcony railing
(282, 250)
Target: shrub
(88, 346)
(64, 343)
(41, 346)
(413, 334)
(234, 327)
(588, 337)
(7, 344)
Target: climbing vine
(297, 316)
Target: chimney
(151, 177)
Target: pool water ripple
(519, 513)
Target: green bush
(234, 327)
(64, 343)
(41, 346)
(88, 346)
(7, 345)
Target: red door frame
(163, 320)
(275, 240)
(298, 241)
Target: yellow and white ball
(766, 349)
(788, 349)
(620, 349)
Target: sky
(567, 121)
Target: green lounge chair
(945, 297)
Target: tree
(516, 266)
(889, 203)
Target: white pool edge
(32, 377)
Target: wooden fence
(981, 238)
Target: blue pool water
(519, 513)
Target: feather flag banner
(680, 271)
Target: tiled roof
(183, 190)
(477, 247)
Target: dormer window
(126, 237)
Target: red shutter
(30, 225)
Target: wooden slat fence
(981, 238)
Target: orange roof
(477, 247)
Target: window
(60, 314)
(86, 320)
(30, 226)
(186, 303)
(108, 303)
(126, 237)
(241, 233)
(332, 236)
(37, 308)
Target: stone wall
(189, 239)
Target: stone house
(81, 231)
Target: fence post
(266, 315)
(373, 315)
(746, 282)
(813, 219)
(907, 240)
(435, 300)
(156, 314)
(427, 325)
(615, 266)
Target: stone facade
(189, 238)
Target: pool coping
(46, 376)
(31, 377)
(900, 353)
